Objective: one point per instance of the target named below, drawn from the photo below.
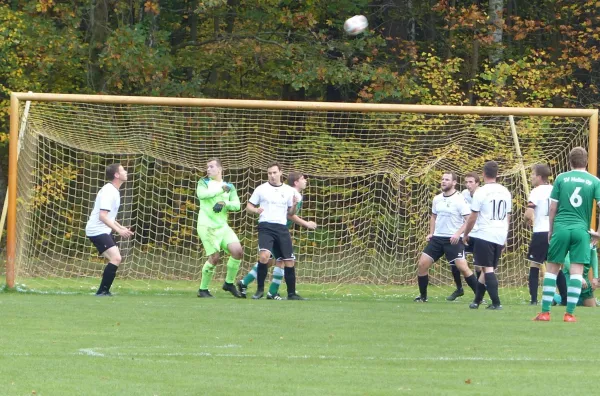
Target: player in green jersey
(298, 182)
(571, 203)
(586, 299)
(217, 198)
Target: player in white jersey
(298, 182)
(448, 213)
(102, 221)
(490, 212)
(536, 215)
(472, 183)
(274, 202)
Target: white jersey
(494, 203)
(539, 201)
(467, 195)
(449, 211)
(275, 200)
(109, 199)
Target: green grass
(177, 344)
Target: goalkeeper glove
(218, 207)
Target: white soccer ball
(356, 25)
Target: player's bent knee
(425, 262)
(589, 302)
(264, 256)
(289, 263)
(463, 267)
(236, 250)
(113, 255)
(214, 258)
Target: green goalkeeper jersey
(575, 192)
(209, 193)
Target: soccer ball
(356, 25)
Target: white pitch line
(94, 353)
(90, 352)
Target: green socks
(233, 266)
(548, 288)
(251, 276)
(277, 277)
(207, 273)
(573, 292)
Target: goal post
(373, 170)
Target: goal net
(372, 176)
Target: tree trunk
(496, 23)
(411, 26)
(99, 32)
(474, 69)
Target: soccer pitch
(178, 344)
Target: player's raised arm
(233, 203)
(204, 191)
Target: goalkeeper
(217, 198)
(586, 299)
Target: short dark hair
(578, 157)
(293, 177)
(274, 163)
(543, 171)
(474, 175)
(111, 170)
(452, 175)
(490, 169)
(218, 161)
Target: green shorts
(575, 242)
(585, 294)
(216, 239)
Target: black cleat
(420, 299)
(295, 297)
(231, 289)
(104, 294)
(204, 294)
(455, 294)
(273, 297)
(259, 294)
(242, 289)
(494, 307)
(474, 305)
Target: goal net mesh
(372, 177)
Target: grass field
(177, 344)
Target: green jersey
(575, 192)
(209, 193)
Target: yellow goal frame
(17, 97)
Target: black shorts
(538, 248)
(103, 242)
(277, 256)
(276, 239)
(439, 246)
(485, 253)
